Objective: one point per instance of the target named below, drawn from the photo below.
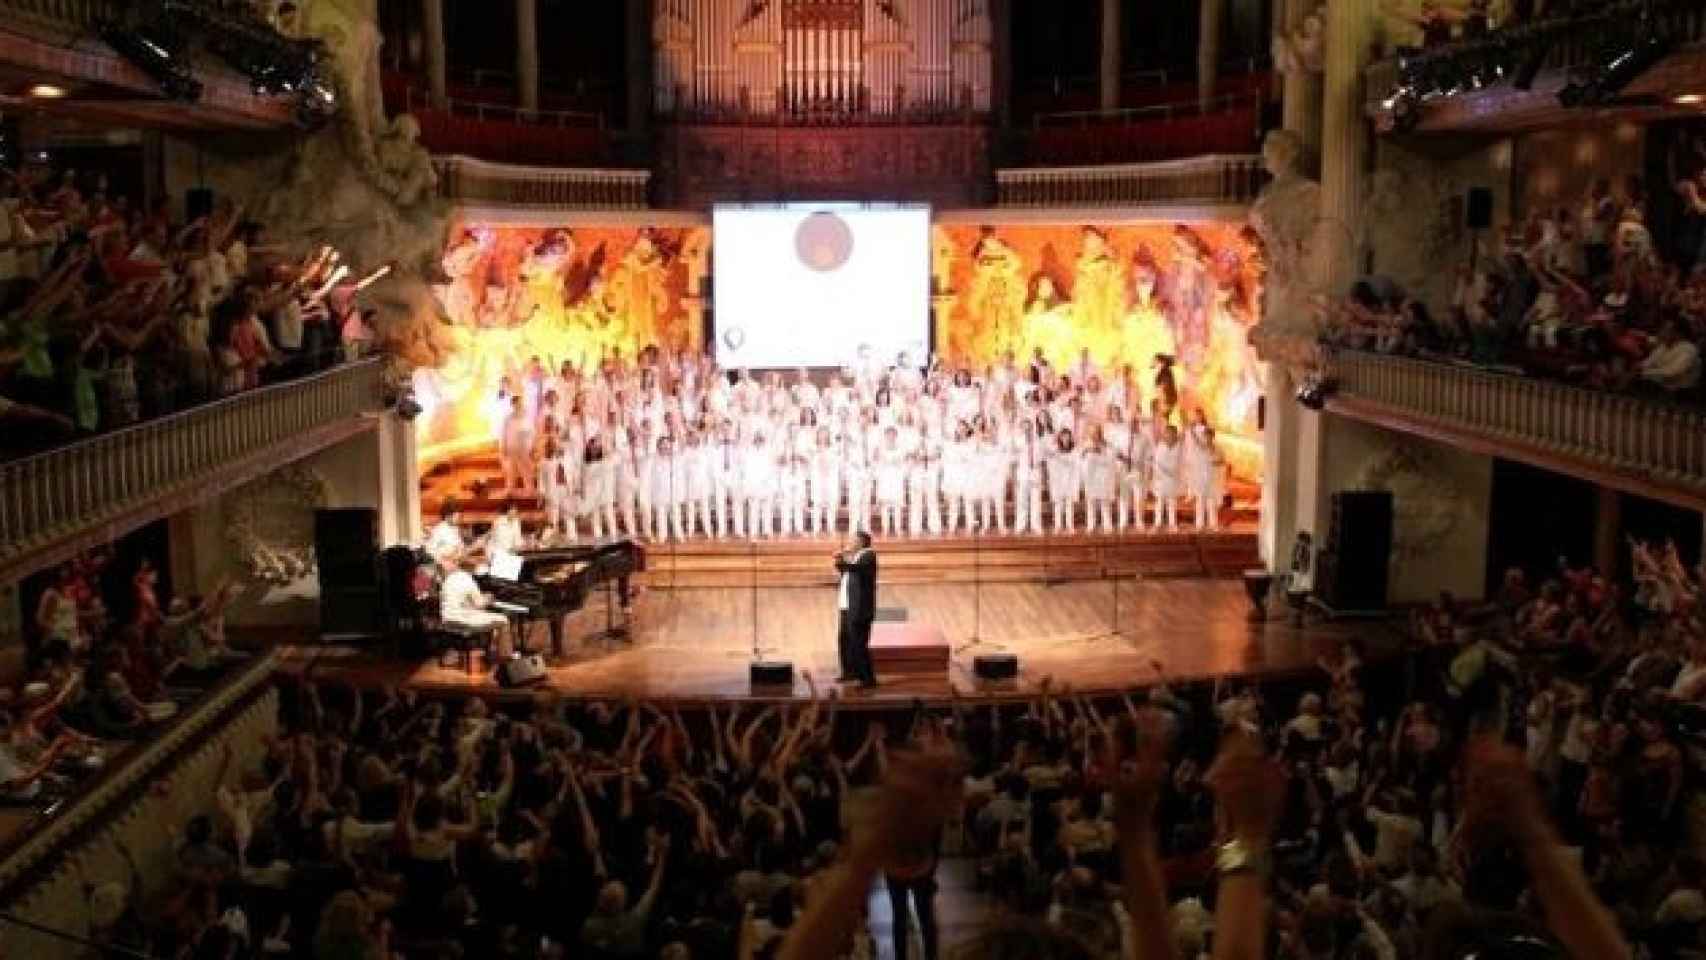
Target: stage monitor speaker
(772, 673)
(889, 615)
(1478, 208)
(346, 547)
(995, 666)
(1355, 565)
(521, 671)
(350, 610)
(198, 203)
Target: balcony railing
(55, 494)
(469, 180)
(64, 13)
(1659, 444)
(1213, 179)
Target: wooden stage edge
(695, 644)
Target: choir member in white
(673, 448)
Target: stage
(694, 644)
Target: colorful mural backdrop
(1123, 295)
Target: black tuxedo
(860, 578)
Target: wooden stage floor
(695, 644)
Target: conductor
(858, 603)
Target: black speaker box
(1478, 208)
(349, 610)
(995, 666)
(198, 203)
(772, 673)
(889, 615)
(522, 671)
(1354, 568)
(346, 547)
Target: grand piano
(553, 582)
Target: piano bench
(466, 638)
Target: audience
(1513, 785)
(1578, 294)
(110, 313)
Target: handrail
(57, 492)
(1658, 443)
(482, 181)
(416, 99)
(1161, 111)
(66, 13)
(1213, 178)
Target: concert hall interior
(778, 479)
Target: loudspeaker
(1478, 208)
(522, 671)
(198, 203)
(346, 547)
(772, 673)
(889, 615)
(1353, 569)
(995, 666)
(350, 610)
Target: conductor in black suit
(858, 603)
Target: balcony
(1639, 445)
(1553, 47)
(55, 504)
(480, 183)
(1214, 180)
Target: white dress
(598, 485)
(891, 478)
(1164, 470)
(1100, 474)
(1065, 476)
(825, 478)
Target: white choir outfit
(664, 487)
(758, 487)
(727, 501)
(890, 470)
(627, 487)
(825, 482)
(791, 496)
(1065, 483)
(598, 496)
(956, 483)
(1101, 482)
(991, 465)
(1027, 489)
(859, 484)
(515, 450)
(1203, 477)
(506, 536)
(701, 464)
(1164, 483)
(1139, 472)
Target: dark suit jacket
(861, 585)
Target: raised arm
(1137, 779)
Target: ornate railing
(1659, 443)
(62, 491)
(64, 13)
(469, 180)
(1215, 179)
(156, 785)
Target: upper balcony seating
(1147, 135)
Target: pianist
(461, 604)
(507, 536)
(444, 542)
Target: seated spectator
(1673, 364)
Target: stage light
(1688, 99)
(156, 49)
(1616, 69)
(47, 91)
(1313, 392)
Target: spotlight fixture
(159, 51)
(1618, 66)
(1688, 99)
(47, 91)
(1313, 392)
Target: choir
(672, 447)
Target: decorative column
(432, 21)
(1001, 61)
(639, 66)
(1208, 51)
(1110, 64)
(1344, 145)
(527, 54)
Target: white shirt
(1676, 367)
(506, 535)
(444, 542)
(846, 579)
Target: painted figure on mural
(943, 256)
(1189, 297)
(1231, 377)
(996, 296)
(638, 290)
(1048, 324)
(460, 295)
(1145, 332)
(1098, 290)
(541, 275)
